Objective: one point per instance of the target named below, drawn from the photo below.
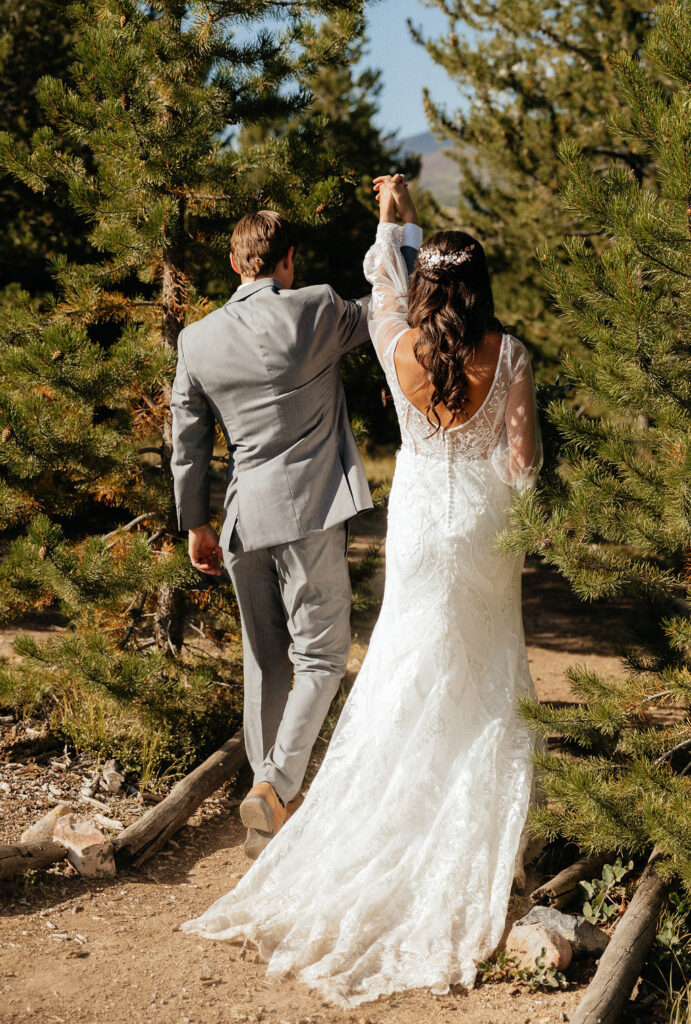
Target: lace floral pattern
(474, 439)
(396, 871)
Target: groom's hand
(395, 188)
(385, 197)
(205, 551)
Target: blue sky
(406, 66)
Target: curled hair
(450, 305)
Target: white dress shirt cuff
(412, 235)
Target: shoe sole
(255, 813)
(256, 842)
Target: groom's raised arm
(352, 314)
(193, 444)
(351, 320)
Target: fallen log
(29, 857)
(621, 963)
(563, 888)
(152, 831)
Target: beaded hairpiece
(432, 259)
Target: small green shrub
(604, 896)
(152, 713)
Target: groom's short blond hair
(260, 241)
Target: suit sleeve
(411, 240)
(409, 254)
(351, 321)
(193, 443)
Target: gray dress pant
(294, 602)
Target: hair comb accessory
(433, 259)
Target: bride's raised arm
(386, 270)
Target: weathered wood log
(621, 963)
(153, 830)
(29, 857)
(563, 888)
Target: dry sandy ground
(72, 951)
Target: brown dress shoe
(256, 840)
(263, 814)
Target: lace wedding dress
(396, 871)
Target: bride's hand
(393, 187)
(383, 186)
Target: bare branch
(669, 753)
(128, 526)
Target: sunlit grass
(379, 465)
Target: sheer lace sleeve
(517, 457)
(386, 271)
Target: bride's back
(448, 361)
(480, 372)
(462, 390)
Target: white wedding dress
(396, 871)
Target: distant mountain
(423, 143)
(439, 173)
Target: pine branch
(591, 58)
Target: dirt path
(87, 953)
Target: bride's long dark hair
(451, 306)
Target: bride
(396, 871)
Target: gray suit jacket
(265, 367)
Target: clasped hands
(394, 198)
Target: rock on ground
(43, 829)
(585, 939)
(88, 849)
(526, 943)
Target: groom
(265, 367)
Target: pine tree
(532, 72)
(85, 428)
(344, 107)
(35, 40)
(616, 519)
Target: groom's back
(267, 365)
(265, 331)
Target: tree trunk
(563, 888)
(173, 286)
(621, 963)
(146, 836)
(169, 616)
(14, 860)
